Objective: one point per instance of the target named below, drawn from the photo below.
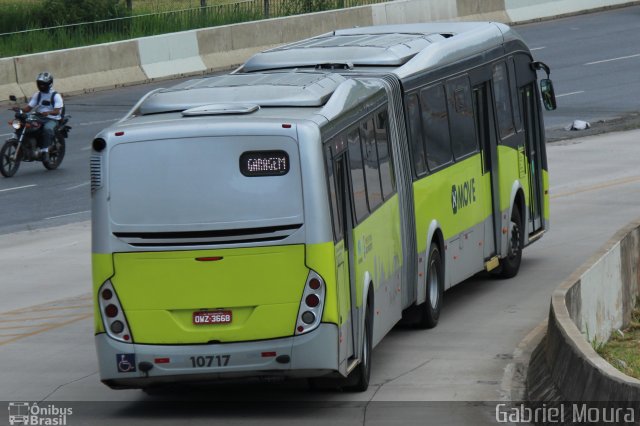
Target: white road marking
(538, 48)
(17, 187)
(6, 134)
(65, 215)
(613, 59)
(78, 186)
(570, 93)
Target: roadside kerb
(596, 298)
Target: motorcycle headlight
(16, 125)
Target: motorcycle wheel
(56, 154)
(9, 162)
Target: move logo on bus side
(462, 195)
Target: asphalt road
(467, 364)
(594, 60)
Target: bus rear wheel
(358, 380)
(430, 310)
(510, 265)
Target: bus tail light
(115, 323)
(311, 304)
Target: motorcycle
(25, 143)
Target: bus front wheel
(510, 265)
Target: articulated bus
(278, 221)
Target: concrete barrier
(526, 10)
(171, 55)
(83, 69)
(8, 80)
(230, 45)
(596, 299)
(198, 51)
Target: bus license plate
(212, 317)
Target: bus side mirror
(548, 94)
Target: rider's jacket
(45, 102)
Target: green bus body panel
(154, 323)
(159, 292)
(433, 195)
(512, 166)
(378, 249)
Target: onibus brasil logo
(25, 413)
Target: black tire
(56, 154)
(9, 165)
(429, 311)
(358, 380)
(510, 265)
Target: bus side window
(461, 123)
(502, 100)
(517, 114)
(333, 198)
(387, 173)
(357, 175)
(435, 126)
(371, 172)
(415, 135)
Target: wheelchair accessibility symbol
(126, 363)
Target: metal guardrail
(108, 30)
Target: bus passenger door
(487, 140)
(533, 150)
(344, 269)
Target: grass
(623, 349)
(149, 17)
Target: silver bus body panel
(442, 44)
(275, 89)
(144, 140)
(311, 354)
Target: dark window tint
(435, 126)
(415, 135)
(463, 138)
(370, 156)
(357, 174)
(502, 99)
(333, 196)
(517, 114)
(387, 173)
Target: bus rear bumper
(125, 365)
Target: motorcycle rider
(48, 104)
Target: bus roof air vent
(219, 109)
(226, 93)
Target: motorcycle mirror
(13, 98)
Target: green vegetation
(623, 348)
(30, 26)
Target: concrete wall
(527, 10)
(597, 298)
(196, 52)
